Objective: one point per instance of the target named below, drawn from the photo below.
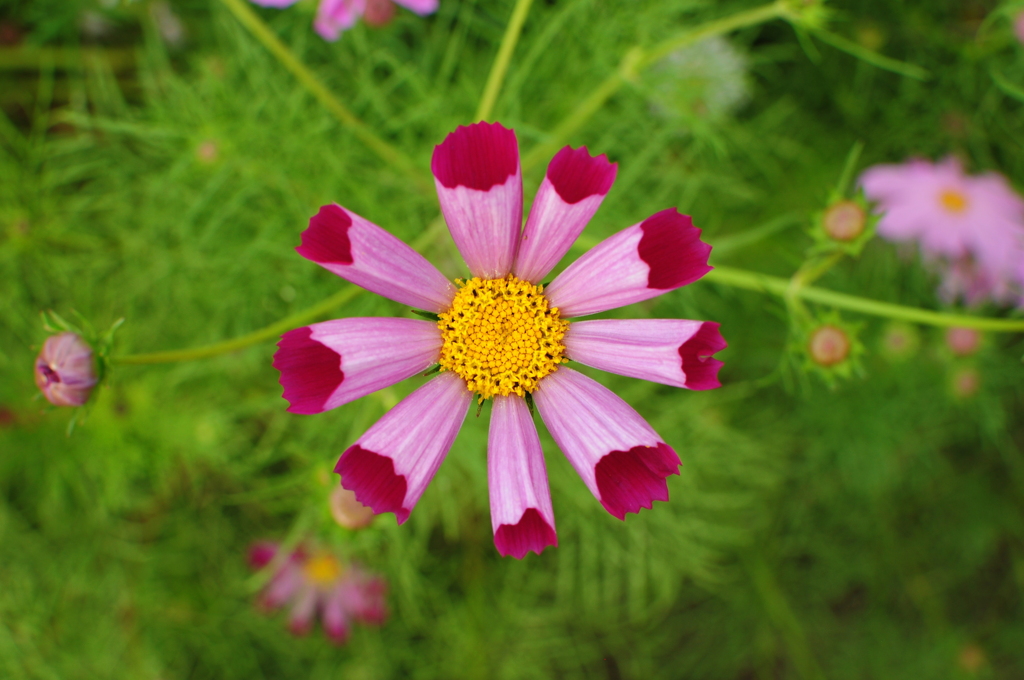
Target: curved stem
(779, 286)
(636, 60)
(262, 335)
(388, 153)
(502, 60)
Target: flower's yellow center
(322, 569)
(953, 201)
(501, 336)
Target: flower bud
(347, 511)
(899, 341)
(963, 341)
(64, 370)
(828, 346)
(844, 221)
(965, 382)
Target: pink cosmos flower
(64, 370)
(335, 16)
(501, 336)
(315, 581)
(971, 226)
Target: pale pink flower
(336, 16)
(501, 335)
(315, 581)
(64, 370)
(970, 226)
(1018, 26)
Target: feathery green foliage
(868, 529)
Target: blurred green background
(868, 527)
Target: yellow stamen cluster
(322, 569)
(953, 201)
(501, 336)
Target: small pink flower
(971, 226)
(336, 16)
(502, 336)
(1018, 26)
(316, 581)
(64, 370)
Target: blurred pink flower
(500, 335)
(971, 226)
(64, 370)
(336, 16)
(317, 581)
(1018, 26)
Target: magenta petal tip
(577, 175)
(634, 479)
(699, 366)
(532, 532)
(672, 248)
(310, 371)
(371, 477)
(477, 156)
(326, 239)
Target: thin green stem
(636, 60)
(873, 58)
(262, 335)
(388, 153)
(776, 285)
(751, 17)
(428, 237)
(502, 60)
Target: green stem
(502, 60)
(779, 286)
(388, 153)
(430, 235)
(634, 61)
(262, 335)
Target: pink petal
(389, 467)
(261, 553)
(301, 618)
(621, 459)
(274, 3)
(283, 586)
(361, 252)
(570, 194)
(364, 597)
(521, 515)
(335, 16)
(334, 619)
(640, 262)
(480, 187)
(419, 6)
(332, 363)
(670, 351)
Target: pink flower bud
(65, 371)
(963, 341)
(347, 511)
(965, 382)
(828, 346)
(844, 220)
